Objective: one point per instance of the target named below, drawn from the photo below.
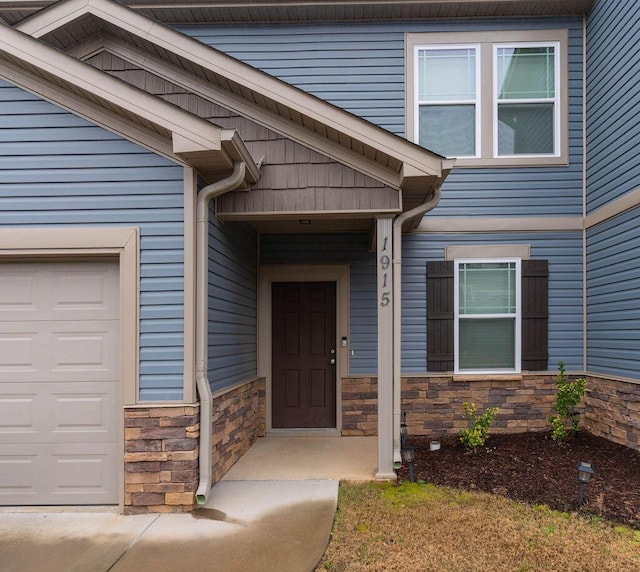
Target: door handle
(333, 361)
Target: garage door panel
(62, 474)
(19, 415)
(18, 292)
(83, 473)
(84, 348)
(79, 416)
(59, 351)
(19, 469)
(60, 399)
(19, 353)
(83, 292)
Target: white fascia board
(238, 72)
(35, 53)
(236, 148)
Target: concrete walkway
(273, 511)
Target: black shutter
(535, 314)
(440, 315)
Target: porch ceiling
(265, 11)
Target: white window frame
(478, 94)
(555, 100)
(486, 99)
(517, 316)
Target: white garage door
(59, 389)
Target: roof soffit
(280, 11)
(70, 22)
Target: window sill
(462, 377)
(541, 161)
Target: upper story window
(448, 99)
(491, 98)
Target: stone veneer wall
(161, 447)
(434, 404)
(612, 410)
(238, 419)
(161, 458)
(359, 406)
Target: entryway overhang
(356, 175)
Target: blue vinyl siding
(58, 170)
(360, 68)
(233, 253)
(613, 121)
(563, 250)
(613, 296)
(341, 248)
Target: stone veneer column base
(612, 410)
(161, 458)
(238, 419)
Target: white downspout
(422, 209)
(202, 318)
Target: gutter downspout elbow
(420, 210)
(205, 195)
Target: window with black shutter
(476, 328)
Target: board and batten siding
(233, 254)
(613, 296)
(613, 97)
(339, 248)
(360, 67)
(59, 170)
(563, 250)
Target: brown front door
(304, 337)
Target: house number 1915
(385, 263)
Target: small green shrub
(478, 431)
(565, 423)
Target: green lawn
(415, 527)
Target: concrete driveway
(245, 526)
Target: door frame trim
(338, 273)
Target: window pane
(487, 344)
(526, 73)
(525, 129)
(449, 130)
(447, 75)
(487, 288)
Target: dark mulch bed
(532, 468)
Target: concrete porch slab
(301, 458)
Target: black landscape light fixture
(408, 453)
(403, 435)
(585, 470)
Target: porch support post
(384, 250)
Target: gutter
(418, 211)
(235, 180)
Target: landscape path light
(408, 453)
(585, 470)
